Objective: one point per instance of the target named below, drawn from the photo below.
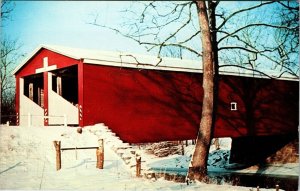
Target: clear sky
(65, 23)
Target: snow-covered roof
(124, 59)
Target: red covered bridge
(143, 99)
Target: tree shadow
(149, 112)
(84, 161)
(264, 107)
(12, 167)
(154, 105)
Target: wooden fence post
(182, 148)
(58, 154)
(138, 165)
(100, 154)
(217, 144)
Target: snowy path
(27, 161)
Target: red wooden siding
(17, 98)
(265, 107)
(153, 105)
(80, 93)
(149, 105)
(37, 62)
(142, 106)
(46, 93)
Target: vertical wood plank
(138, 165)
(57, 146)
(30, 91)
(59, 85)
(100, 154)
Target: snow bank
(27, 161)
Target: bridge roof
(138, 61)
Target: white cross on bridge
(46, 67)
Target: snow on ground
(27, 161)
(217, 160)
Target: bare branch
(255, 70)
(243, 10)
(139, 33)
(238, 47)
(255, 25)
(177, 31)
(153, 22)
(6, 8)
(190, 38)
(288, 6)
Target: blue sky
(65, 23)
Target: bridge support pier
(254, 150)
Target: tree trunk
(212, 20)
(198, 169)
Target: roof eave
(34, 52)
(26, 60)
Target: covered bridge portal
(144, 100)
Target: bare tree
(159, 25)
(238, 38)
(257, 39)
(6, 8)
(9, 55)
(198, 170)
(174, 52)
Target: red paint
(46, 108)
(152, 105)
(265, 107)
(142, 106)
(17, 98)
(149, 105)
(80, 93)
(36, 62)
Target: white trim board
(137, 61)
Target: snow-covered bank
(27, 161)
(218, 162)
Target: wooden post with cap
(100, 154)
(58, 154)
(138, 165)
